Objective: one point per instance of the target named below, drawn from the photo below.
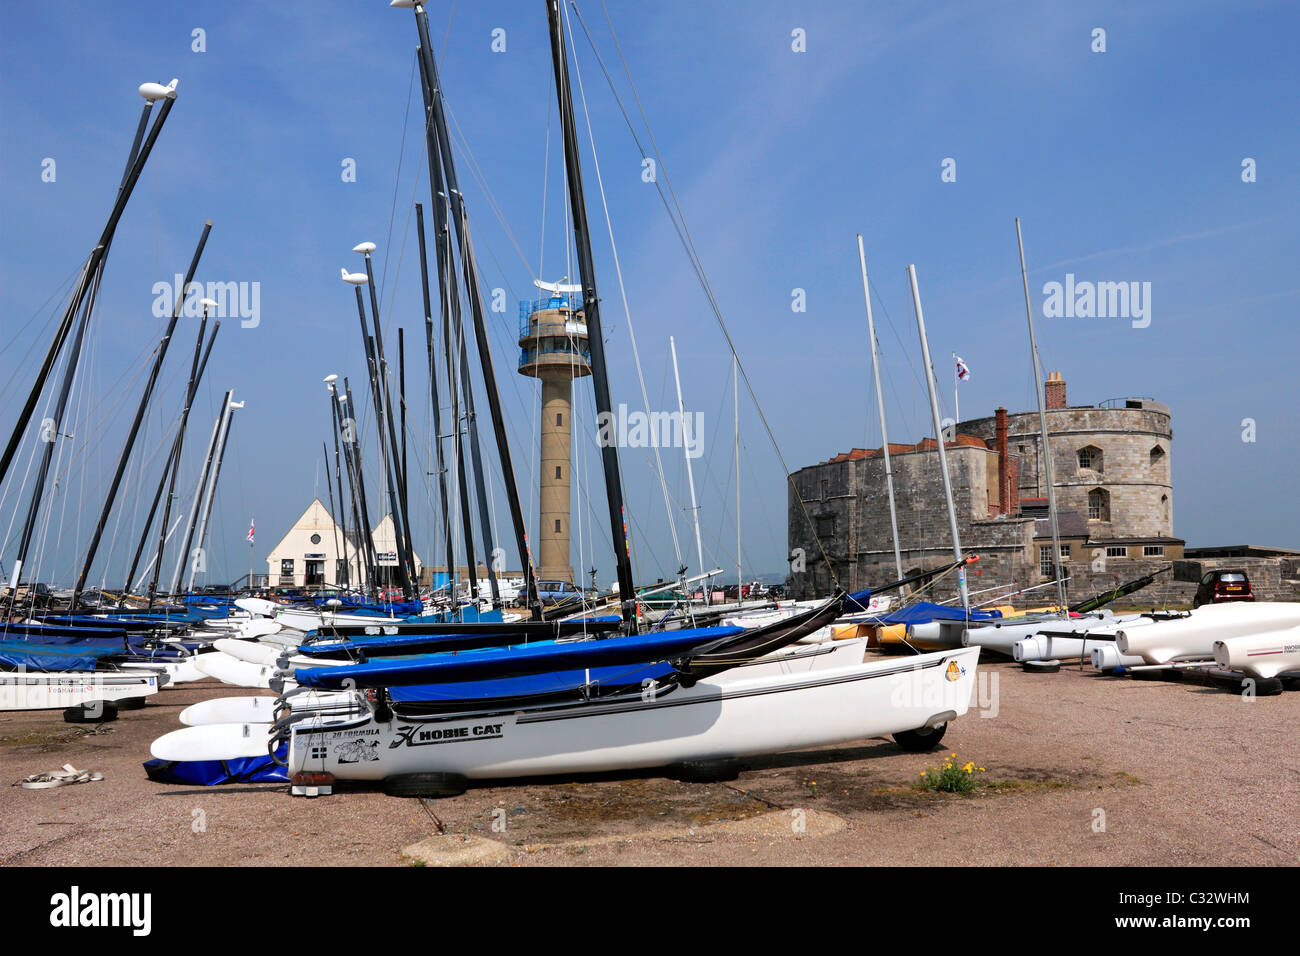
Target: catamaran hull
(712, 720)
(38, 691)
(1263, 656)
(1193, 637)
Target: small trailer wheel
(131, 703)
(922, 739)
(705, 771)
(91, 712)
(425, 785)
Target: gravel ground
(1081, 769)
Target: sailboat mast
(880, 405)
(139, 415)
(200, 488)
(211, 491)
(474, 295)
(440, 459)
(735, 405)
(938, 434)
(1039, 388)
(690, 473)
(591, 311)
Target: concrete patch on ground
(797, 824)
(458, 850)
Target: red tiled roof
(925, 444)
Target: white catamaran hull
(1263, 656)
(28, 690)
(1193, 637)
(712, 720)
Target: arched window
(1090, 458)
(1098, 505)
(1164, 506)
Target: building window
(1116, 551)
(1065, 552)
(1157, 455)
(1153, 550)
(1164, 506)
(557, 525)
(286, 566)
(557, 471)
(826, 526)
(1045, 560)
(1090, 458)
(1098, 505)
(559, 419)
(826, 488)
(340, 571)
(315, 539)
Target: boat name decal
(415, 736)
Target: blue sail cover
(531, 685)
(56, 634)
(517, 660)
(69, 656)
(922, 612)
(420, 638)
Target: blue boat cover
(922, 612)
(210, 773)
(492, 663)
(73, 656)
(531, 685)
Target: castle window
(826, 526)
(1164, 506)
(1153, 550)
(1157, 455)
(557, 525)
(1116, 551)
(557, 471)
(1090, 458)
(559, 419)
(1098, 505)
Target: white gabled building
(311, 554)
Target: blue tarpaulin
(211, 773)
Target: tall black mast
(191, 391)
(139, 417)
(591, 310)
(135, 166)
(433, 395)
(474, 295)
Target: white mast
(690, 474)
(880, 403)
(202, 534)
(938, 433)
(1039, 388)
(735, 402)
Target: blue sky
(1123, 165)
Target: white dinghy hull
(31, 690)
(710, 721)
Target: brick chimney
(1004, 496)
(1054, 391)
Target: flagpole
(956, 402)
